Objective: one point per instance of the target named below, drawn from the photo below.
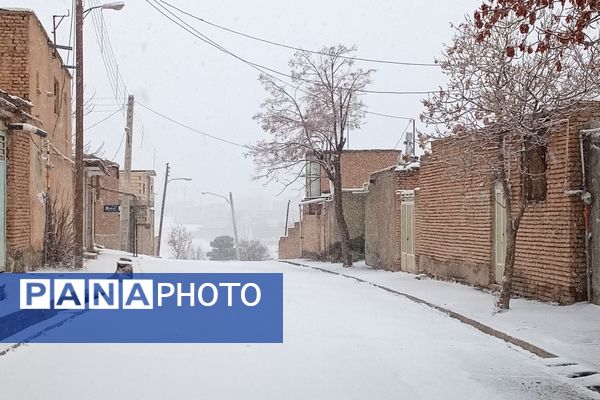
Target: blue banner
(141, 308)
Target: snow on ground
(571, 331)
(342, 340)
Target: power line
(387, 115)
(192, 129)
(287, 46)
(255, 66)
(103, 119)
(193, 31)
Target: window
(56, 97)
(313, 179)
(534, 170)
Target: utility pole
(235, 231)
(78, 198)
(162, 211)
(410, 141)
(125, 201)
(287, 218)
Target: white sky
(173, 72)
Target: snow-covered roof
(411, 166)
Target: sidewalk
(570, 332)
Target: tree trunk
(511, 234)
(339, 216)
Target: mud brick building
(315, 235)
(107, 207)
(460, 219)
(39, 170)
(101, 207)
(141, 193)
(389, 226)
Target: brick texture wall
(455, 214)
(18, 216)
(14, 54)
(453, 211)
(357, 166)
(107, 224)
(29, 68)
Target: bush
(253, 250)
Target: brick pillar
(18, 210)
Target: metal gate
(2, 201)
(499, 232)
(407, 231)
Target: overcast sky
(170, 71)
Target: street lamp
(78, 206)
(162, 206)
(117, 6)
(235, 232)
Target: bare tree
(510, 103)
(542, 25)
(59, 241)
(180, 241)
(253, 250)
(195, 253)
(309, 121)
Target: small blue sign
(111, 208)
(142, 308)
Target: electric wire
(290, 47)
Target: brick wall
(29, 67)
(453, 220)
(357, 166)
(455, 213)
(107, 224)
(289, 246)
(14, 53)
(550, 257)
(18, 216)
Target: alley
(342, 339)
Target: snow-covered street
(342, 340)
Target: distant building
(141, 196)
(101, 203)
(40, 170)
(316, 235)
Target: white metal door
(407, 231)
(499, 231)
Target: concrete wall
(354, 213)
(317, 233)
(383, 218)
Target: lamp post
(235, 231)
(162, 206)
(80, 14)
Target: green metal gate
(2, 201)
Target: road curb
(538, 351)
